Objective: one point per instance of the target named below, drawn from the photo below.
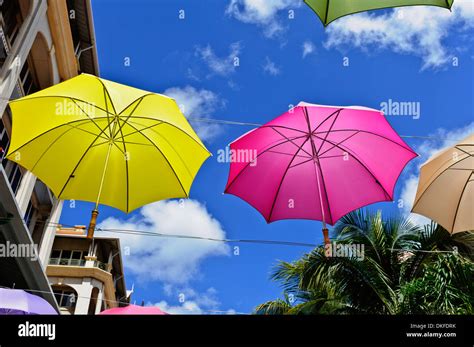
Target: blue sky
(419, 55)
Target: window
(65, 297)
(10, 11)
(76, 257)
(15, 178)
(56, 254)
(67, 257)
(4, 142)
(27, 81)
(30, 210)
(3, 47)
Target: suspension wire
(231, 122)
(118, 302)
(190, 237)
(239, 123)
(225, 240)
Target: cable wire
(224, 240)
(121, 302)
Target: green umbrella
(329, 10)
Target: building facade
(41, 43)
(86, 277)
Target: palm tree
(395, 253)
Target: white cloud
(221, 66)
(189, 307)
(308, 48)
(200, 103)
(174, 261)
(270, 67)
(261, 12)
(194, 303)
(428, 148)
(417, 30)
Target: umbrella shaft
(103, 175)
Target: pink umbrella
(317, 162)
(133, 309)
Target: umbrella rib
(174, 126)
(327, 12)
(83, 130)
(287, 138)
(120, 149)
(324, 120)
(80, 160)
(325, 191)
(435, 177)
(459, 202)
(282, 179)
(327, 133)
(299, 156)
(450, 167)
(164, 156)
(60, 97)
(303, 162)
(284, 127)
(172, 147)
(128, 117)
(55, 140)
(332, 156)
(107, 108)
(339, 143)
(258, 155)
(100, 144)
(130, 104)
(462, 150)
(362, 164)
(89, 117)
(126, 164)
(375, 134)
(107, 93)
(347, 138)
(50, 130)
(125, 148)
(315, 155)
(139, 131)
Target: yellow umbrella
(446, 188)
(95, 140)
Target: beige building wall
(43, 43)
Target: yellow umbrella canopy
(95, 140)
(446, 187)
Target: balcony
(77, 262)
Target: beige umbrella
(446, 190)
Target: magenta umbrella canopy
(19, 302)
(317, 162)
(133, 309)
